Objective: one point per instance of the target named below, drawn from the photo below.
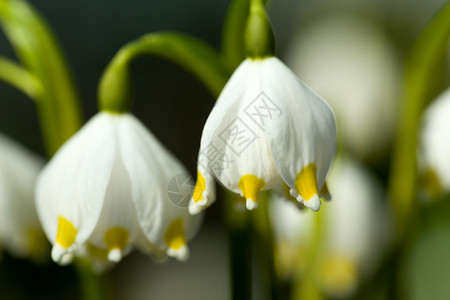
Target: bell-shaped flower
(106, 190)
(267, 125)
(20, 231)
(355, 231)
(434, 146)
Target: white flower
(435, 146)
(266, 125)
(106, 190)
(349, 61)
(355, 232)
(20, 231)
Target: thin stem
(257, 4)
(239, 231)
(426, 57)
(92, 285)
(259, 38)
(264, 243)
(38, 50)
(306, 286)
(191, 54)
(21, 79)
(233, 49)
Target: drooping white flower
(20, 231)
(435, 146)
(351, 62)
(106, 190)
(266, 125)
(355, 230)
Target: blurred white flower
(355, 230)
(434, 146)
(266, 126)
(106, 190)
(20, 231)
(350, 62)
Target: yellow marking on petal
(174, 236)
(66, 233)
(306, 183)
(116, 238)
(324, 192)
(339, 275)
(97, 252)
(250, 186)
(200, 187)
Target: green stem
(306, 285)
(258, 37)
(18, 77)
(93, 286)
(239, 231)
(37, 49)
(265, 243)
(204, 62)
(426, 57)
(233, 49)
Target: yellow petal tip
(176, 240)
(250, 186)
(116, 238)
(306, 185)
(198, 195)
(66, 234)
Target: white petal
(435, 138)
(19, 169)
(117, 227)
(304, 134)
(74, 182)
(151, 168)
(236, 131)
(211, 154)
(358, 200)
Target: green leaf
(18, 77)
(34, 43)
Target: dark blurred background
(172, 104)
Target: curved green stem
(191, 54)
(36, 47)
(18, 77)
(233, 49)
(426, 56)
